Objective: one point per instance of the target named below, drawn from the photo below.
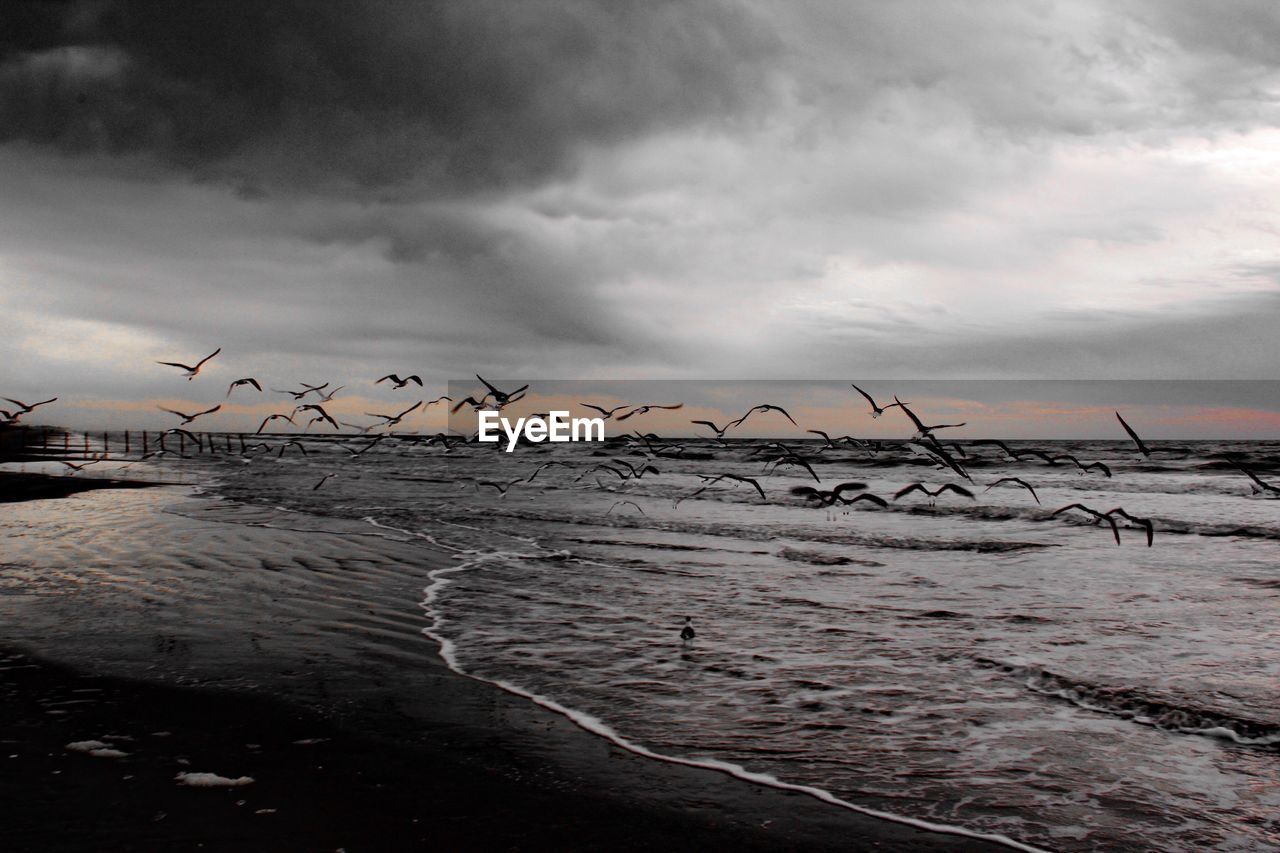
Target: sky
(659, 190)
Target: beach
(130, 620)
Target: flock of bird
(947, 456)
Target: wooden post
(126, 442)
(46, 439)
(106, 446)
(66, 443)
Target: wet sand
(398, 751)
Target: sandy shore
(377, 745)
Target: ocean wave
(1132, 704)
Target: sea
(982, 663)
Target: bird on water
(687, 633)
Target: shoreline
(479, 767)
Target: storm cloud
(575, 189)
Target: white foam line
(598, 727)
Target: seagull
(640, 410)
(23, 408)
(1144, 523)
(440, 399)
(319, 410)
(77, 467)
(717, 430)
(191, 371)
(637, 473)
(827, 497)
(291, 443)
(711, 481)
(544, 465)
(831, 442)
(269, 418)
(617, 504)
(392, 420)
(1083, 467)
(796, 460)
(764, 407)
(365, 449)
(1016, 482)
(1100, 516)
(306, 389)
(1142, 448)
(921, 429)
(605, 413)
(323, 480)
(876, 411)
(501, 487)
(935, 494)
(502, 398)
(687, 633)
(866, 496)
(469, 401)
(934, 449)
(248, 380)
(186, 419)
(1258, 486)
(185, 434)
(400, 383)
(328, 398)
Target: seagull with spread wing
(191, 371)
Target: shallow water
(975, 663)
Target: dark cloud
(450, 96)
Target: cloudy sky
(546, 188)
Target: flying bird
(921, 429)
(640, 410)
(439, 400)
(711, 481)
(322, 415)
(1083, 467)
(866, 496)
(1142, 448)
(764, 407)
(79, 466)
(269, 418)
(392, 420)
(1144, 523)
(248, 380)
(1017, 482)
(23, 408)
(291, 443)
(827, 497)
(469, 401)
(501, 487)
(186, 419)
(935, 494)
(1258, 487)
(502, 398)
(1100, 516)
(605, 413)
(306, 389)
(323, 480)
(876, 410)
(617, 504)
(400, 383)
(717, 430)
(354, 453)
(191, 371)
